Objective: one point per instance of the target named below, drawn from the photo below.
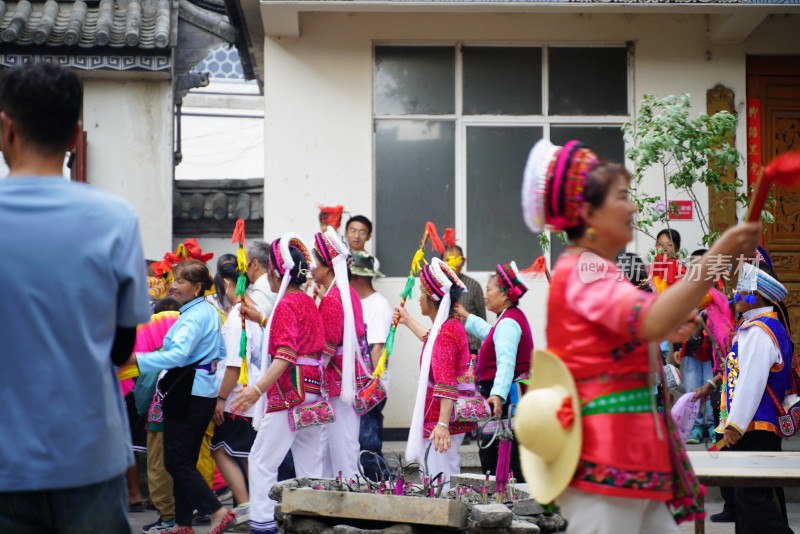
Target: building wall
(318, 113)
(129, 138)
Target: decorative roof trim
(82, 59)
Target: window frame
(463, 121)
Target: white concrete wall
(129, 139)
(222, 132)
(318, 120)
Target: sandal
(223, 525)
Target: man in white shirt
(759, 363)
(259, 292)
(378, 321)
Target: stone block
(550, 523)
(276, 492)
(394, 529)
(492, 515)
(372, 507)
(471, 479)
(527, 507)
(305, 525)
(519, 526)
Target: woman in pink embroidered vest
(505, 355)
(445, 359)
(343, 323)
(600, 326)
(293, 342)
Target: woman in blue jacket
(191, 350)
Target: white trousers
(448, 463)
(340, 444)
(590, 513)
(273, 441)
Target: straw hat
(548, 427)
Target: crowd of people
(269, 366)
(314, 330)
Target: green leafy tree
(663, 135)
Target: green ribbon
(638, 400)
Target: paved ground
(470, 463)
(139, 519)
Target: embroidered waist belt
(460, 386)
(639, 400)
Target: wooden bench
(734, 468)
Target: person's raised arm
(402, 317)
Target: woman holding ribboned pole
(444, 361)
(293, 344)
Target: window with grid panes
(453, 128)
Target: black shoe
(724, 516)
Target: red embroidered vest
(487, 358)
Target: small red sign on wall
(681, 210)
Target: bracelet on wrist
(219, 397)
(255, 387)
(263, 321)
(443, 425)
(713, 384)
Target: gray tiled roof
(115, 23)
(211, 207)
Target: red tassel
(161, 267)
(784, 172)
(367, 392)
(433, 235)
(332, 215)
(538, 267)
(238, 232)
(195, 252)
(449, 238)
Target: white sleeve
(380, 322)
(264, 301)
(757, 354)
(231, 334)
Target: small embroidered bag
(788, 413)
(317, 413)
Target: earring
(737, 297)
(750, 299)
(591, 233)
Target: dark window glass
(588, 81)
(415, 80)
(606, 141)
(496, 232)
(502, 81)
(414, 182)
